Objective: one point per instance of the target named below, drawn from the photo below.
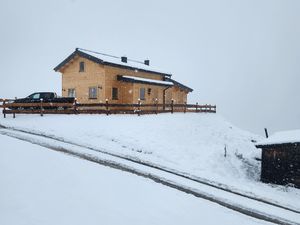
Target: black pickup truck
(46, 97)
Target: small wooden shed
(281, 158)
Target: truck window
(35, 96)
(46, 95)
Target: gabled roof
(132, 79)
(280, 138)
(110, 61)
(180, 85)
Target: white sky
(239, 54)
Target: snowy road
(229, 200)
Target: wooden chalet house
(281, 158)
(94, 78)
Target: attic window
(81, 67)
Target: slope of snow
(291, 136)
(192, 143)
(39, 186)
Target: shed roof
(115, 61)
(283, 137)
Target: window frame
(74, 92)
(113, 96)
(144, 93)
(81, 66)
(96, 93)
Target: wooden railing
(100, 108)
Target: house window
(142, 93)
(114, 93)
(93, 93)
(81, 67)
(71, 93)
(149, 91)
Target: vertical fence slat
(4, 110)
(106, 106)
(75, 106)
(139, 107)
(41, 107)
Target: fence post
(184, 107)
(75, 106)
(41, 108)
(4, 114)
(156, 106)
(14, 114)
(172, 105)
(106, 106)
(196, 107)
(139, 107)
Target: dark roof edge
(96, 60)
(132, 80)
(176, 83)
(276, 145)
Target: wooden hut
(94, 77)
(281, 158)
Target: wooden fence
(100, 108)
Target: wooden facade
(93, 80)
(281, 163)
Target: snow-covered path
(39, 186)
(238, 203)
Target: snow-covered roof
(111, 60)
(145, 80)
(283, 137)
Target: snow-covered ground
(190, 143)
(40, 186)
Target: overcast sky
(242, 55)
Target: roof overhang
(180, 85)
(132, 79)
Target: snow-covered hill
(39, 186)
(191, 143)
